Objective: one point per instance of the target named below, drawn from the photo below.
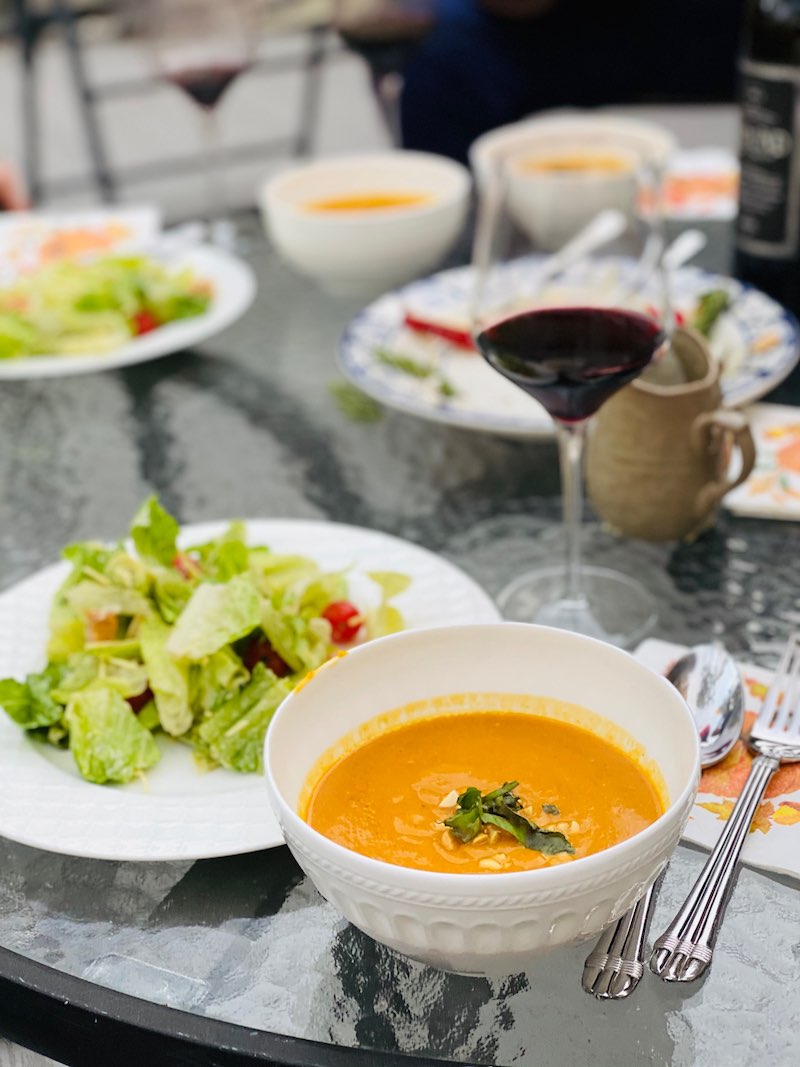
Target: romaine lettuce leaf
(226, 556)
(234, 735)
(277, 572)
(79, 672)
(386, 618)
(168, 680)
(302, 643)
(128, 677)
(324, 590)
(154, 532)
(216, 615)
(391, 582)
(88, 596)
(87, 557)
(171, 593)
(215, 679)
(148, 716)
(128, 572)
(67, 632)
(107, 740)
(31, 703)
(122, 648)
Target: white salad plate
(756, 340)
(234, 287)
(178, 812)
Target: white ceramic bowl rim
(544, 878)
(454, 177)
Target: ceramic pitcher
(658, 458)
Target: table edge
(76, 1021)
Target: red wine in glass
(571, 359)
(206, 85)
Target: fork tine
(770, 706)
(790, 684)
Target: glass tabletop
(246, 426)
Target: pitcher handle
(712, 431)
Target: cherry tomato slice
(144, 322)
(345, 620)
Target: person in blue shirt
(488, 62)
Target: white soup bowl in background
(551, 205)
(482, 923)
(363, 252)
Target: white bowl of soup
(359, 225)
(556, 190)
(474, 796)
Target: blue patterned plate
(756, 340)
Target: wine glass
(202, 46)
(569, 345)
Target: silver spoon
(708, 680)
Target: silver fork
(614, 967)
(684, 951)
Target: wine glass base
(613, 607)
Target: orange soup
(577, 163)
(368, 202)
(389, 796)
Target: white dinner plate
(179, 812)
(234, 287)
(756, 340)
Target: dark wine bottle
(768, 225)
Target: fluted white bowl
(470, 923)
(363, 253)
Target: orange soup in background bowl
(473, 796)
(369, 202)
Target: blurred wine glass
(201, 47)
(570, 333)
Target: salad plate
(233, 288)
(391, 353)
(176, 811)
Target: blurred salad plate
(138, 679)
(106, 289)
(412, 348)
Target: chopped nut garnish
(450, 800)
(479, 839)
(489, 865)
(447, 841)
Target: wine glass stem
(571, 436)
(214, 168)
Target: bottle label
(769, 197)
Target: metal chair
(32, 19)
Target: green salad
(200, 644)
(69, 308)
